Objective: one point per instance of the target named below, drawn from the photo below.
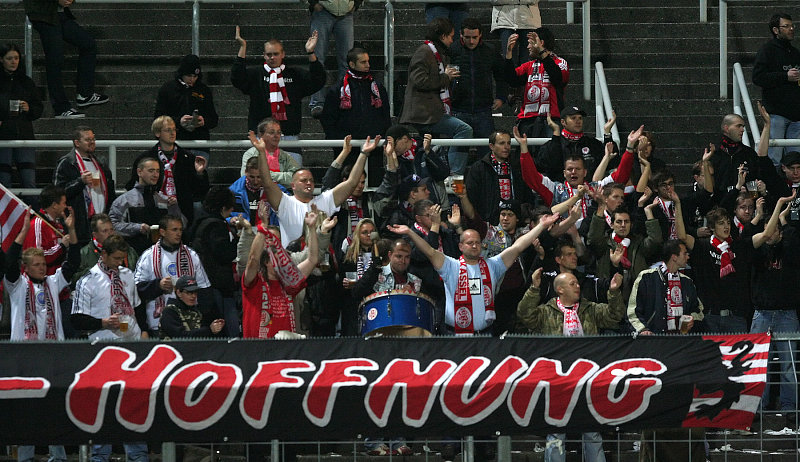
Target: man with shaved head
(570, 315)
(732, 153)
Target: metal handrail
(742, 95)
(602, 104)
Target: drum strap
(462, 302)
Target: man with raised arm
(271, 279)
(292, 209)
(562, 196)
(722, 266)
(471, 282)
(276, 90)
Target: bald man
(471, 282)
(570, 315)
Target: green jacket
(287, 163)
(547, 319)
(89, 256)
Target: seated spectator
(429, 73)
(135, 213)
(495, 178)
(17, 88)
(162, 264)
(87, 182)
(282, 164)
(182, 175)
(102, 229)
(269, 281)
(189, 102)
(182, 318)
(215, 240)
(247, 191)
(292, 209)
(107, 305)
(572, 141)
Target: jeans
(455, 13)
(341, 27)
(457, 129)
(780, 321)
(135, 452)
(782, 128)
(53, 38)
(25, 159)
(554, 451)
(731, 324)
(26, 453)
(482, 124)
(226, 306)
(520, 54)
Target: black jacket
(18, 86)
(776, 273)
(726, 163)
(551, 156)
(483, 188)
(363, 119)
(68, 176)
(176, 100)
(773, 61)
(254, 82)
(210, 236)
(472, 90)
(189, 186)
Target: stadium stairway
(661, 64)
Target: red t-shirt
(266, 296)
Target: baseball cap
(187, 284)
(572, 110)
(409, 183)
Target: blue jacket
(240, 193)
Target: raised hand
(610, 123)
(512, 42)
(329, 223)
(634, 136)
(426, 142)
(257, 142)
(582, 190)
(610, 150)
(764, 114)
(708, 153)
(616, 282)
(645, 196)
(615, 255)
(263, 212)
(238, 37)
(200, 164)
(388, 147)
(346, 147)
(311, 218)
(436, 214)
(548, 220)
(399, 229)
(553, 126)
(311, 43)
(370, 146)
(536, 278)
(455, 216)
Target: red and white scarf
(739, 225)
(462, 301)
(571, 136)
(345, 99)
(668, 207)
(291, 277)
(278, 308)
(87, 192)
(503, 170)
(412, 151)
(726, 255)
(572, 325)
(120, 303)
(674, 298)
(31, 327)
(278, 99)
(168, 186)
(425, 233)
(354, 213)
(625, 262)
(183, 264)
(583, 201)
(444, 93)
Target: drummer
(394, 276)
(471, 281)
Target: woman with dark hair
(20, 105)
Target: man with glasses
(282, 164)
(777, 71)
(182, 175)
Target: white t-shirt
(292, 212)
(18, 291)
(449, 274)
(93, 298)
(169, 268)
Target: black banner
(323, 389)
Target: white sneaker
(71, 113)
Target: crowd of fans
(570, 238)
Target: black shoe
(91, 100)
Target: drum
(397, 313)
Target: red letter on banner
(612, 406)
(561, 390)
(23, 387)
(87, 395)
(321, 392)
(419, 390)
(194, 408)
(260, 389)
(465, 410)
